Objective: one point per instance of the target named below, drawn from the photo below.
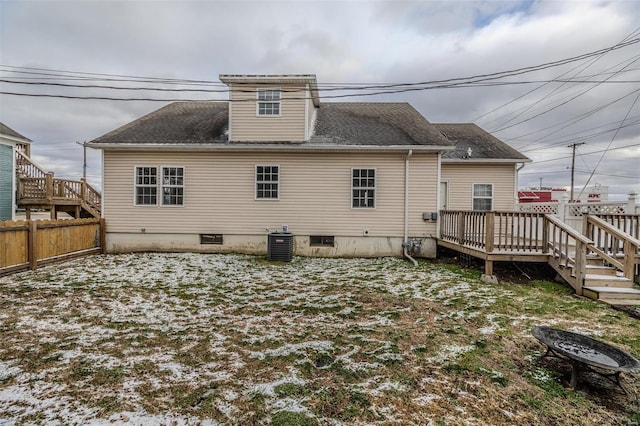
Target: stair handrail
(29, 167)
(630, 245)
(559, 244)
(91, 198)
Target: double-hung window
(269, 102)
(146, 186)
(363, 188)
(482, 196)
(151, 181)
(267, 182)
(172, 186)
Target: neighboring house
(10, 141)
(348, 179)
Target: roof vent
(469, 152)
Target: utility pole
(573, 165)
(84, 159)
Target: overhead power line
(372, 89)
(610, 142)
(584, 67)
(588, 153)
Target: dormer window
(269, 102)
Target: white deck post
(631, 203)
(563, 206)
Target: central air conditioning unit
(280, 246)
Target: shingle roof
(483, 144)
(374, 124)
(176, 123)
(371, 124)
(6, 130)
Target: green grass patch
(289, 418)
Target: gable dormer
(271, 108)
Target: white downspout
(517, 184)
(405, 242)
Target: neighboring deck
(38, 189)
(601, 263)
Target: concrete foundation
(257, 244)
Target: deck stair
(607, 284)
(601, 262)
(607, 271)
(38, 189)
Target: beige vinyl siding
(248, 126)
(314, 199)
(461, 177)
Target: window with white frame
(482, 196)
(170, 185)
(363, 188)
(146, 186)
(269, 102)
(267, 182)
(173, 186)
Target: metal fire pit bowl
(586, 353)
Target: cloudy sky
(591, 98)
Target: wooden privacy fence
(31, 243)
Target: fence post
(563, 206)
(103, 235)
(33, 249)
(631, 203)
(545, 234)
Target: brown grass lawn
(192, 339)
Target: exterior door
(444, 196)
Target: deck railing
(497, 235)
(567, 249)
(616, 246)
(26, 167)
(49, 190)
(494, 231)
(627, 223)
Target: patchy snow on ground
(186, 339)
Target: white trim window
(269, 102)
(267, 182)
(363, 188)
(483, 196)
(146, 186)
(173, 186)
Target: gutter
(405, 242)
(265, 147)
(485, 160)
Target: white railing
(572, 213)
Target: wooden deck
(38, 189)
(607, 246)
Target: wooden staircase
(607, 284)
(38, 189)
(601, 264)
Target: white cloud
(340, 41)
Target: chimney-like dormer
(271, 108)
